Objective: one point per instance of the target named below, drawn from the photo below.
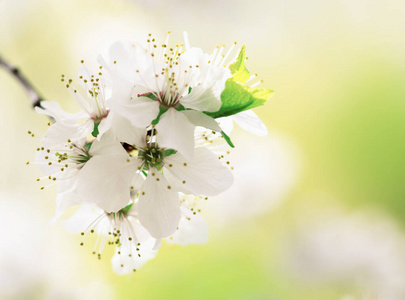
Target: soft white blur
(364, 251)
(37, 259)
(265, 170)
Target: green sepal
(95, 130)
(162, 110)
(237, 98)
(169, 152)
(227, 139)
(127, 208)
(87, 146)
(148, 95)
(144, 173)
(180, 107)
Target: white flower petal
(137, 182)
(194, 56)
(66, 198)
(53, 109)
(176, 131)
(158, 244)
(107, 145)
(121, 93)
(104, 126)
(125, 58)
(206, 95)
(83, 101)
(140, 112)
(204, 175)
(202, 98)
(106, 180)
(186, 41)
(82, 218)
(125, 132)
(85, 74)
(159, 207)
(226, 124)
(59, 133)
(130, 259)
(190, 231)
(200, 119)
(142, 235)
(250, 122)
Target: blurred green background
(317, 209)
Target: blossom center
(77, 155)
(152, 156)
(169, 98)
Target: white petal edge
(125, 132)
(53, 109)
(141, 112)
(177, 132)
(106, 180)
(250, 122)
(59, 133)
(107, 145)
(198, 118)
(204, 175)
(124, 264)
(190, 231)
(158, 206)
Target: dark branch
(32, 93)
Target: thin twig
(32, 93)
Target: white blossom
(134, 246)
(132, 158)
(96, 117)
(180, 82)
(168, 174)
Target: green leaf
(238, 68)
(95, 130)
(237, 97)
(227, 139)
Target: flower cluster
(144, 149)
